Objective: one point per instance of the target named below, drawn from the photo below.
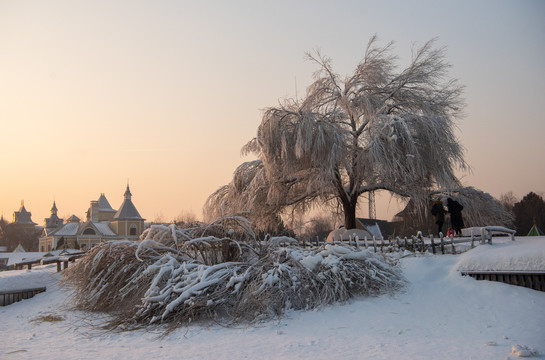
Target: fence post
(365, 239)
(442, 244)
(421, 240)
(374, 243)
(452, 243)
(432, 244)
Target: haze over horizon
(164, 95)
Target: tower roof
(53, 221)
(127, 210)
(104, 205)
(73, 218)
(23, 216)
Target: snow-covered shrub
(170, 276)
(100, 278)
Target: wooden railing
(417, 243)
(420, 243)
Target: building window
(89, 231)
(132, 230)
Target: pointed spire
(128, 192)
(127, 210)
(54, 208)
(23, 216)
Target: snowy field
(441, 315)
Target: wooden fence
(420, 243)
(416, 243)
(61, 261)
(9, 297)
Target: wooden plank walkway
(11, 296)
(532, 280)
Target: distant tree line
(12, 235)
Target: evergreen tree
(531, 208)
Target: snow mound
(39, 276)
(346, 235)
(523, 351)
(523, 255)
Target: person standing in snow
(455, 210)
(438, 212)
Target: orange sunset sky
(164, 94)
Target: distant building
(21, 231)
(380, 229)
(365, 229)
(103, 223)
(127, 222)
(53, 222)
(22, 217)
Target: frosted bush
(176, 276)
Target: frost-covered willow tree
(380, 128)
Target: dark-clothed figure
(438, 211)
(455, 210)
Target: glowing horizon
(166, 94)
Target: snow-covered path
(442, 315)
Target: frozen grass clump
(222, 272)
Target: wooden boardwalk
(532, 280)
(11, 296)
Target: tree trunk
(349, 214)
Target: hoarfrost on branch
(380, 128)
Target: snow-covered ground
(524, 256)
(441, 315)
